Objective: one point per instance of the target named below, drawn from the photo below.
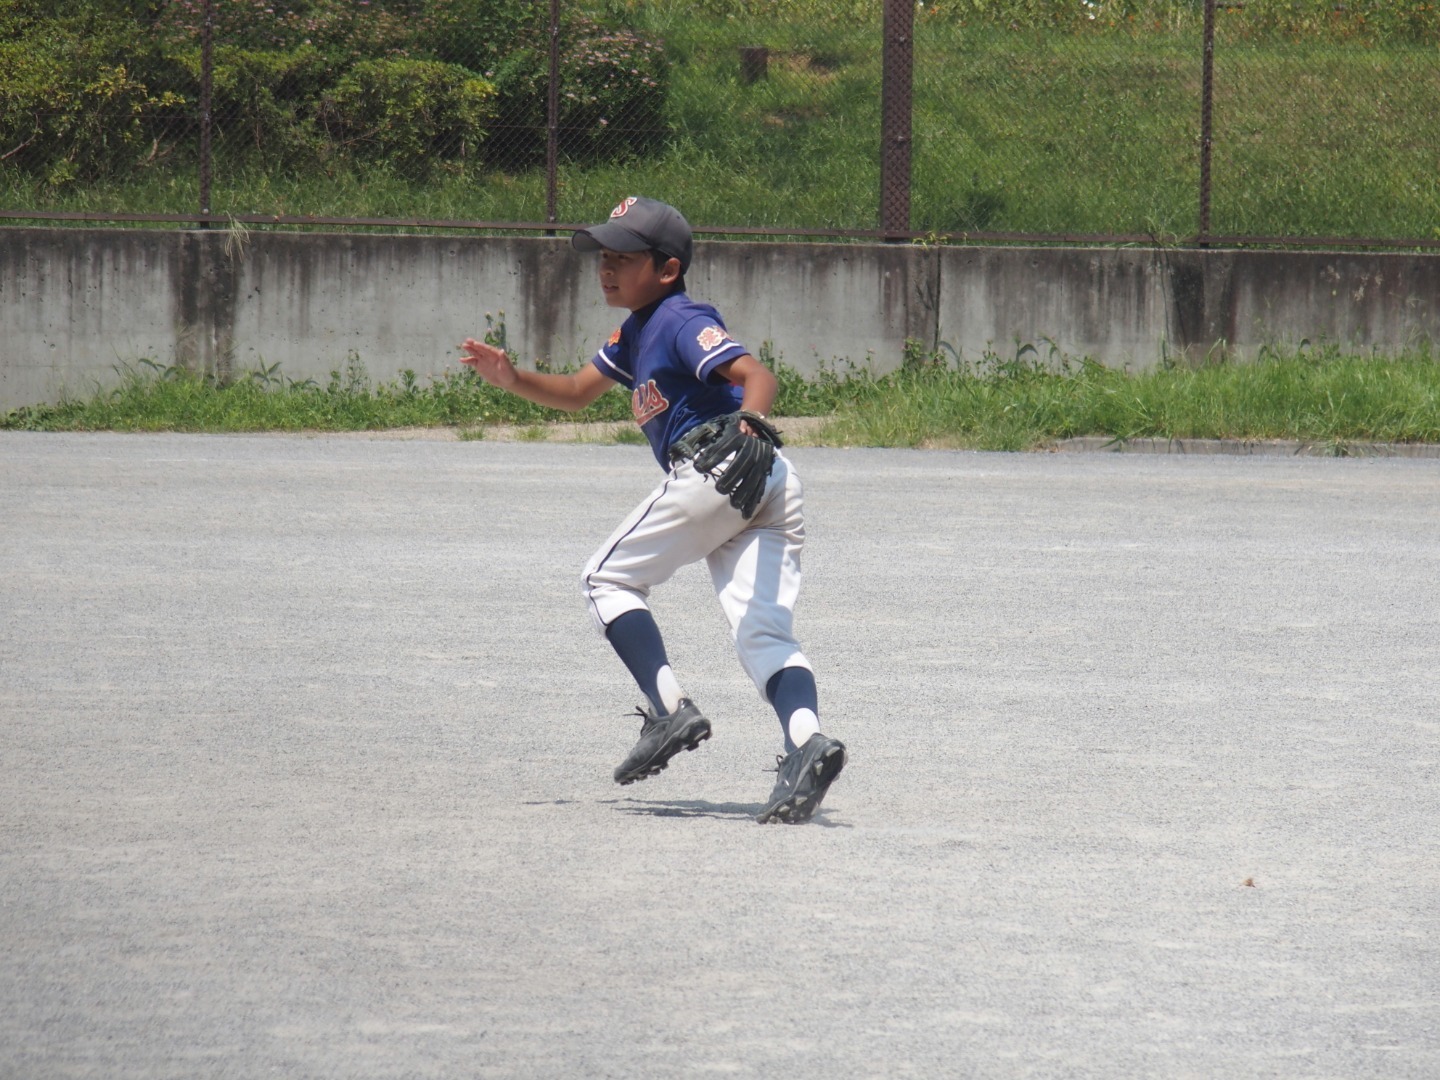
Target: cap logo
(711, 336)
(624, 206)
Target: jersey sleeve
(704, 344)
(613, 361)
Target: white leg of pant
(680, 522)
(756, 574)
(754, 565)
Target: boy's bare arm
(570, 392)
(756, 383)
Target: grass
(1317, 395)
(150, 397)
(1028, 131)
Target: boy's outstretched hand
(490, 363)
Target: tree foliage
(78, 97)
(93, 88)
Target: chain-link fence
(1175, 121)
(1332, 137)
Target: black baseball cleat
(661, 738)
(805, 775)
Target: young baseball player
(729, 497)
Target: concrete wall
(75, 304)
(1138, 306)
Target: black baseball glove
(744, 477)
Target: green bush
(71, 109)
(90, 88)
(481, 34)
(408, 113)
(816, 12)
(263, 103)
(343, 30)
(612, 92)
(613, 80)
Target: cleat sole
(800, 808)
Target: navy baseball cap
(639, 224)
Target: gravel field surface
(306, 745)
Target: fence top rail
(874, 235)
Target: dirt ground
(306, 746)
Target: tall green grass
(151, 397)
(1316, 395)
(1319, 395)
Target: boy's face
(629, 278)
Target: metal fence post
(552, 121)
(207, 49)
(1207, 131)
(895, 106)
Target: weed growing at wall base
(1310, 394)
(151, 397)
(1016, 402)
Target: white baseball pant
(754, 565)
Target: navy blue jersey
(666, 356)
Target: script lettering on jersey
(646, 402)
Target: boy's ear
(670, 272)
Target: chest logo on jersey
(646, 402)
(711, 336)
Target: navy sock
(790, 689)
(636, 638)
